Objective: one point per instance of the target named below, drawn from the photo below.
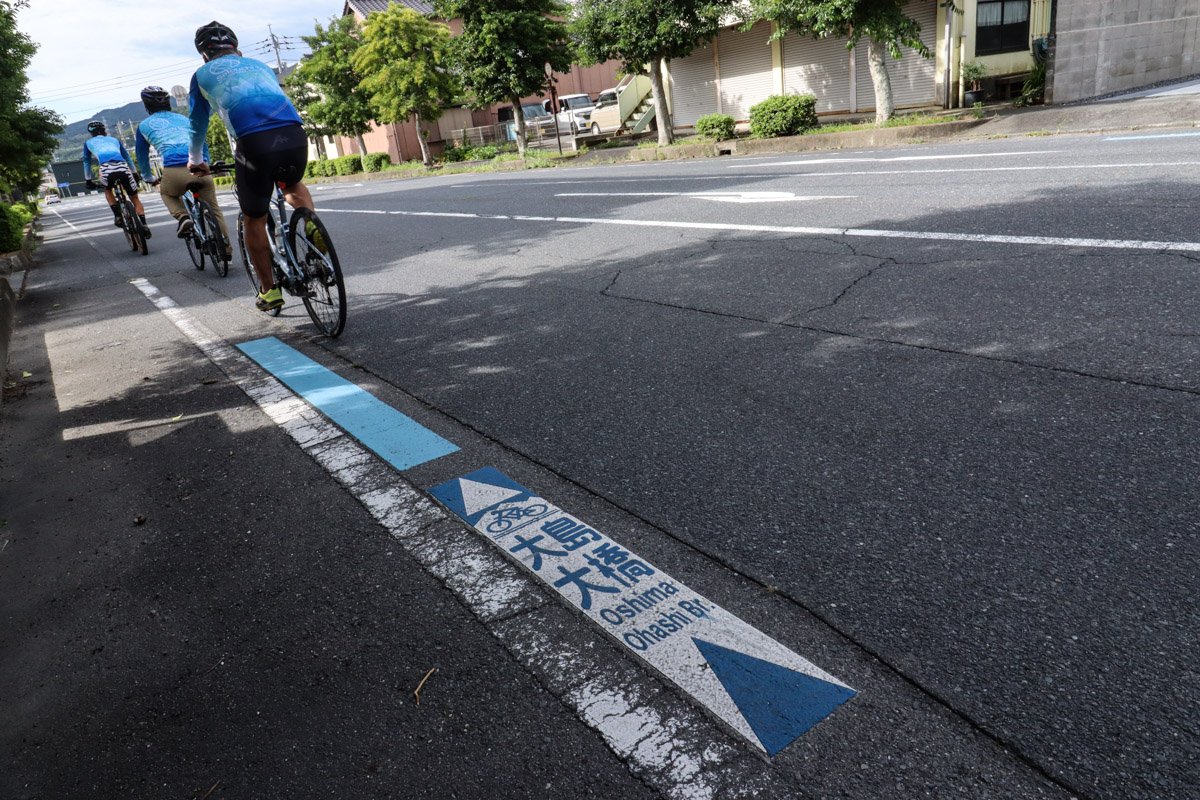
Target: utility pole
(275, 46)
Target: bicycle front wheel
(214, 241)
(325, 297)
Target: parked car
(575, 110)
(605, 115)
(537, 119)
(52, 199)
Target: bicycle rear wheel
(194, 249)
(134, 231)
(326, 296)
(214, 241)
(129, 223)
(249, 266)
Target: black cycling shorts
(278, 155)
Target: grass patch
(895, 122)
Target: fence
(538, 133)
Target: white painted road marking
(869, 159)
(1052, 241)
(761, 689)
(720, 197)
(673, 747)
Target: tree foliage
(326, 88)
(218, 140)
(641, 33)
(502, 52)
(26, 133)
(404, 63)
(883, 23)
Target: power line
(120, 85)
(49, 92)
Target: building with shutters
(1093, 48)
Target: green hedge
(783, 115)
(12, 227)
(377, 162)
(467, 152)
(348, 165)
(718, 126)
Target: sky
(97, 54)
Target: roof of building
(364, 7)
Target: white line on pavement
(720, 197)
(673, 747)
(1052, 241)
(852, 160)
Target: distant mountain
(70, 141)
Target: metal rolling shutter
(744, 63)
(693, 87)
(912, 76)
(820, 67)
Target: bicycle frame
(189, 202)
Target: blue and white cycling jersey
(169, 133)
(246, 94)
(104, 149)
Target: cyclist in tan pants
(169, 133)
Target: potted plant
(973, 73)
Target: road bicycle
(129, 220)
(205, 239)
(303, 261)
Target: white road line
(938, 157)
(720, 197)
(844, 173)
(1051, 241)
(671, 746)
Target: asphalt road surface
(926, 415)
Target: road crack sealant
(684, 755)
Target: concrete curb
(870, 137)
(10, 263)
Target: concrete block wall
(1105, 46)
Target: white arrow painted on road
(760, 688)
(720, 197)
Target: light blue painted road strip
(1149, 136)
(394, 437)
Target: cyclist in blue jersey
(115, 167)
(271, 145)
(169, 133)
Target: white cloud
(96, 54)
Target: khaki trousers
(174, 184)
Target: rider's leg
(112, 204)
(258, 245)
(298, 196)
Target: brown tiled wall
(1106, 46)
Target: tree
(218, 140)
(504, 48)
(882, 22)
(26, 134)
(404, 62)
(325, 87)
(641, 33)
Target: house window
(1002, 26)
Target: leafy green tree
(404, 61)
(326, 88)
(882, 22)
(26, 134)
(218, 140)
(505, 45)
(641, 33)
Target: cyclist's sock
(145, 227)
(116, 209)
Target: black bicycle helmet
(155, 99)
(96, 128)
(214, 38)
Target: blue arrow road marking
(780, 704)
(472, 496)
(397, 439)
(770, 698)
